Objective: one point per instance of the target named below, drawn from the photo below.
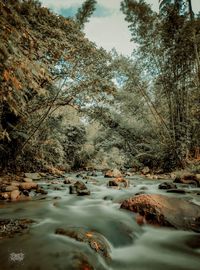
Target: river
(131, 247)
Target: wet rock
(108, 198)
(165, 211)
(145, 170)
(10, 227)
(55, 182)
(72, 190)
(5, 195)
(27, 180)
(66, 181)
(167, 185)
(129, 174)
(28, 186)
(25, 192)
(79, 261)
(80, 175)
(8, 188)
(41, 191)
(118, 182)
(33, 176)
(79, 185)
(43, 174)
(140, 193)
(112, 183)
(144, 188)
(14, 195)
(95, 240)
(189, 179)
(79, 188)
(113, 173)
(179, 191)
(58, 188)
(83, 192)
(93, 174)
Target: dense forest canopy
(67, 104)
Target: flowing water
(132, 247)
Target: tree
(166, 54)
(84, 12)
(47, 63)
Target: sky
(107, 27)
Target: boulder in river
(79, 188)
(190, 179)
(118, 182)
(95, 240)
(113, 173)
(165, 211)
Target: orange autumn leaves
(7, 76)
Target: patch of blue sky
(99, 12)
(68, 12)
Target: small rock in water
(113, 173)
(94, 174)
(108, 198)
(112, 183)
(25, 192)
(83, 192)
(41, 191)
(144, 188)
(166, 185)
(80, 185)
(80, 175)
(79, 188)
(72, 190)
(66, 181)
(118, 182)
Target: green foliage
(168, 57)
(83, 13)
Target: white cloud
(110, 32)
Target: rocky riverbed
(87, 221)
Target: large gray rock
(165, 211)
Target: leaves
(6, 75)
